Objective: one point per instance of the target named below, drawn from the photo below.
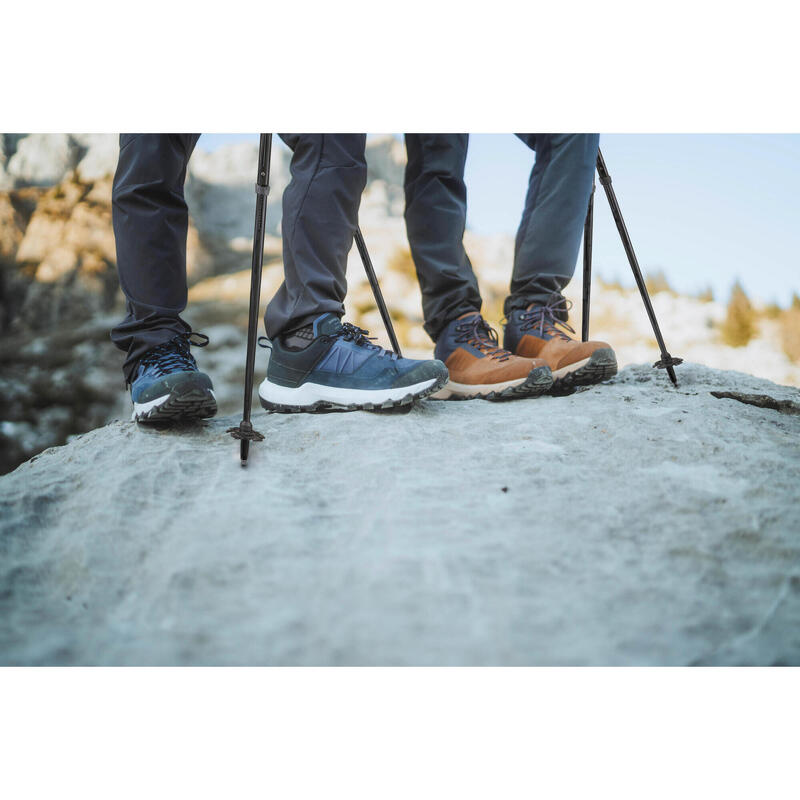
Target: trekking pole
(376, 290)
(667, 361)
(587, 267)
(245, 432)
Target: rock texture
(631, 523)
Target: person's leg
(150, 221)
(320, 215)
(549, 235)
(315, 361)
(436, 213)
(546, 250)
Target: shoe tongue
(326, 324)
(469, 314)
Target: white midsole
(309, 393)
(470, 389)
(559, 373)
(143, 408)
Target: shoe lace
(543, 318)
(175, 354)
(359, 336)
(477, 332)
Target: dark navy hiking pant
(320, 214)
(548, 238)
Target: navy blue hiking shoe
(168, 386)
(338, 367)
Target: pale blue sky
(704, 208)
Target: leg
(436, 212)
(320, 215)
(544, 261)
(549, 234)
(317, 363)
(150, 220)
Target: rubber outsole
(323, 406)
(601, 366)
(538, 382)
(193, 404)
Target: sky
(706, 209)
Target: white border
(243, 65)
(399, 733)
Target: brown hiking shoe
(479, 367)
(537, 332)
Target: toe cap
(423, 371)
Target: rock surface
(631, 523)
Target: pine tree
(740, 325)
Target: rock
(6, 181)
(42, 159)
(12, 228)
(8, 146)
(221, 200)
(68, 250)
(101, 151)
(630, 523)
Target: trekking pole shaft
(262, 189)
(587, 267)
(605, 180)
(376, 289)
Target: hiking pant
(150, 217)
(549, 234)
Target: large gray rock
(8, 146)
(99, 154)
(221, 199)
(42, 159)
(631, 523)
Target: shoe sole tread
(536, 384)
(322, 406)
(195, 404)
(601, 366)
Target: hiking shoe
(479, 367)
(539, 332)
(338, 367)
(168, 386)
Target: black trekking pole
(245, 432)
(376, 290)
(667, 361)
(587, 267)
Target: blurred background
(713, 219)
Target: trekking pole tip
(669, 363)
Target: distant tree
(790, 331)
(740, 324)
(706, 296)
